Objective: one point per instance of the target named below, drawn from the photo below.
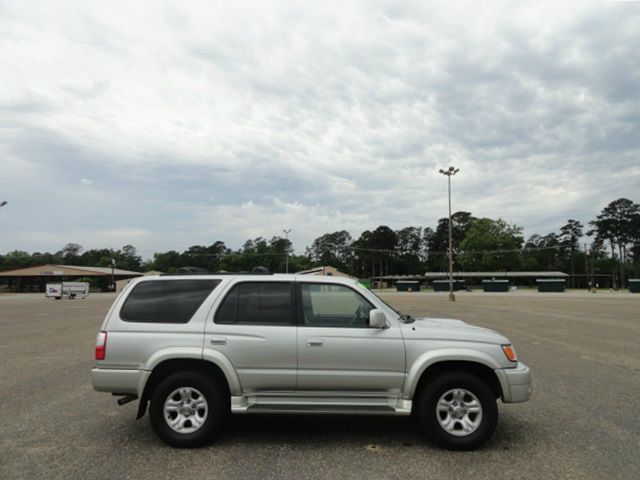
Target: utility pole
(113, 275)
(586, 268)
(449, 173)
(2, 204)
(286, 251)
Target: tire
(195, 405)
(458, 411)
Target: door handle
(218, 341)
(314, 342)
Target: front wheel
(458, 411)
(187, 409)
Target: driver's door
(337, 350)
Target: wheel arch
(437, 368)
(167, 367)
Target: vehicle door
(254, 327)
(338, 350)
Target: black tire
(428, 413)
(217, 400)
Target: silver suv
(196, 348)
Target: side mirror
(377, 319)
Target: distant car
(199, 347)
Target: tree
(167, 262)
(570, 235)
(617, 225)
(129, 258)
(332, 249)
(281, 248)
(70, 253)
(541, 252)
(491, 245)
(409, 248)
(381, 244)
(196, 256)
(438, 242)
(16, 259)
(425, 253)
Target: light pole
(2, 204)
(449, 173)
(286, 251)
(113, 276)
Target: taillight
(101, 345)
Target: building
(120, 284)
(325, 270)
(470, 278)
(35, 279)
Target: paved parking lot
(583, 421)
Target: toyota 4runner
(196, 348)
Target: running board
(330, 409)
(320, 404)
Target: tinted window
(257, 303)
(325, 305)
(166, 301)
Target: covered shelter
(35, 279)
(468, 279)
(513, 278)
(120, 284)
(327, 270)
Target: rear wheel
(187, 409)
(458, 411)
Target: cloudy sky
(169, 124)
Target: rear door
(338, 350)
(254, 327)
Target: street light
(449, 173)
(2, 204)
(286, 251)
(113, 275)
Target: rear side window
(166, 301)
(257, 303)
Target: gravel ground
(582, 421)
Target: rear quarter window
(166, 301)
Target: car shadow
(308, 430)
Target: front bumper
(113, 380)
(516, 383)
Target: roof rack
(204, 271)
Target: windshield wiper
(406, 318)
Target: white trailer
(67, 289)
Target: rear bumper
(516, 383)
(119, 381)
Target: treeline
(608, 245)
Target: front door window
(326, 305)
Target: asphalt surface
(582, 422)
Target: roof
(51, 270)
(327, 270)
(323, 268)
(431, 275)
(496, 274)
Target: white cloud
(217, 122)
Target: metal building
(35, 279)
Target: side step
(354, 403)
(316, 409)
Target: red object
(101, 345)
